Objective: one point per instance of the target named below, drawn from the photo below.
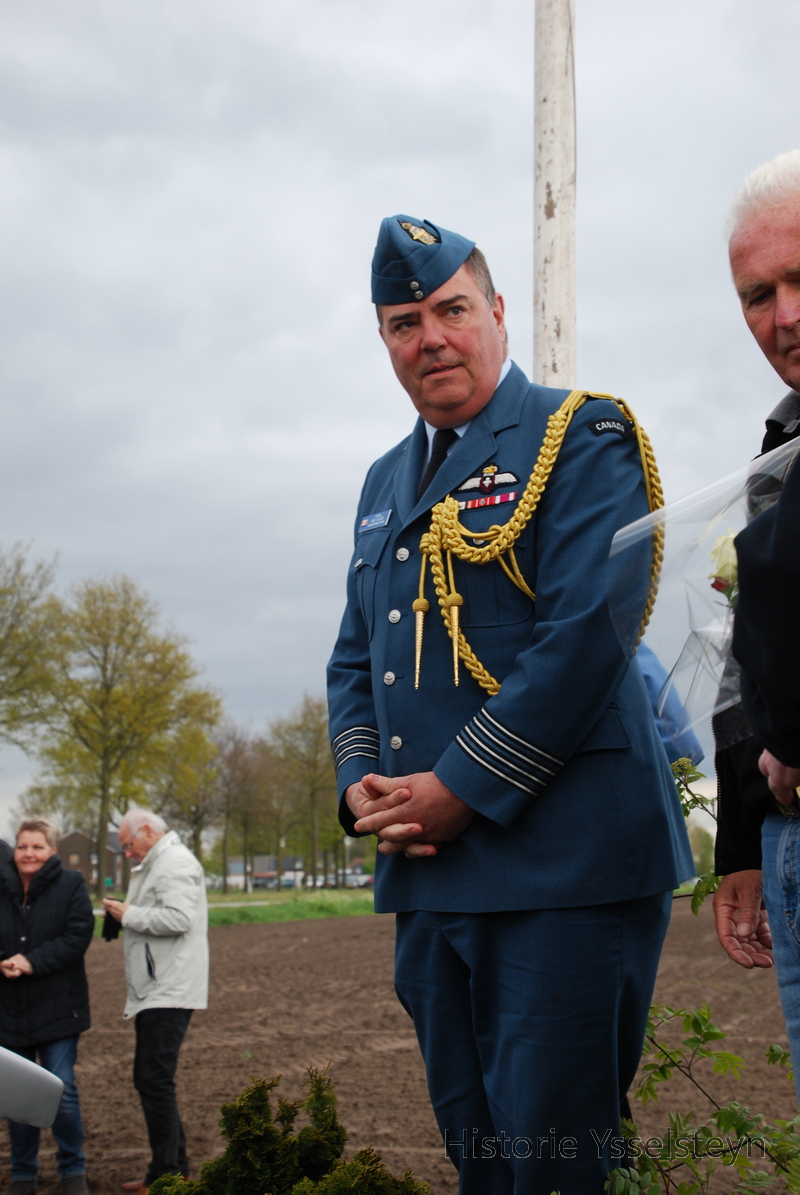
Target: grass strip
(299, 907)
(296, 908)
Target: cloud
(192, 382)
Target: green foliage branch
(686, 774)
(684, 1159)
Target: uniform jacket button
(395, 742)
(402, 553)
(394, 616)
(358, 563)
(389, 678)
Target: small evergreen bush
(265, 1157)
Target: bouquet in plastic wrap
(691, 625)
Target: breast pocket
(369, 550)
(491, 599)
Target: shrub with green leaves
(264, 1155)
(684, 1159)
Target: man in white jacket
(166, 969)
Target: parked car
(358, 881)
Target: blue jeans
(780, 852)
(58, 1057)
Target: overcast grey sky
(192, 382)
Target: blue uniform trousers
(531, 1025)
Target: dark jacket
(53, 930)
(744, 797)
(766, 637)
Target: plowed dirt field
(286, 996)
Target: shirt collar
(431, 431)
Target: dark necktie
(441, 443)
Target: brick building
(78, 851)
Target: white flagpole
(554, 325)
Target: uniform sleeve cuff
(494, 770)
(353, 743)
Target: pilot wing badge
(488, 481)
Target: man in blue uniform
(530, 829)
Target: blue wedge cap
(413, 258)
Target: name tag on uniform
(489, 500)
(371, 522)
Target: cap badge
(418, 234)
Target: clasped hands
(15, 966)
(411, 815)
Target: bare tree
(275, 792)
(302, 745)
(233, 780)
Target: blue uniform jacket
(574, 797)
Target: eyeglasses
(126, 846)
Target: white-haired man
(166, 968)
(758, 846)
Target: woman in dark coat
(46, 925)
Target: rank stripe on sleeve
(358, 740)
(500, 751)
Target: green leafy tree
(184, 784)
(26, 642)
(122, 695)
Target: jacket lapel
(408, 473)
(472, 451)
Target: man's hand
(15, 966)
(741, 920)
(782, 780)
(410, 814)
(115, 907)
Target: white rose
(724, 556)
